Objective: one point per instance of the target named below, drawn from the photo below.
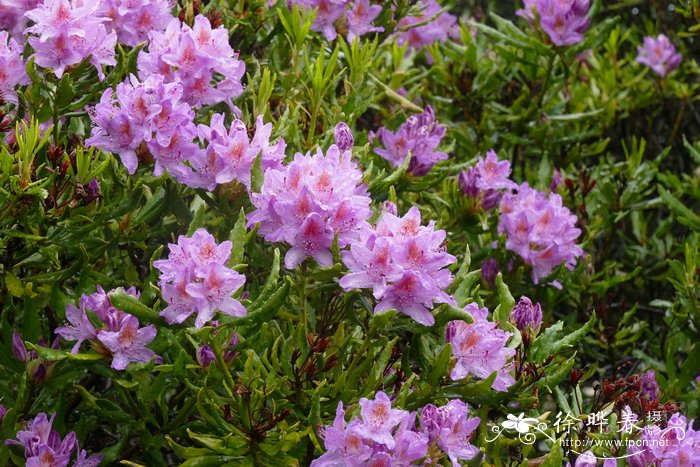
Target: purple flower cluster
(195, 279)
(404, 265)
(309, 201)
(564, 21)
(432, 24)
(230, 153)
(676, 444)
(119, 333)
(540, 229)
(150, 117)
(486, 181)
(355, 17)
(384, 436)
(150, 114)
(69, 31)
(43, 446)
(419, 135)
(659, 54)
(480, 349)
(199, 59)
(133, 20)
(452, 429)
(12, 17)
(12, 72)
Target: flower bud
(205, 355)
(489, 271)
(18, 348)
(231, 354)
(343, 137)
(467, 182)
(649, 387)
(526, 315)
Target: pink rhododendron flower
(80, 327)
(354, 16)
(677, 444)
(540, 229)
(309, 201)
(420, 136)
(432, 24)
(195, 279)
(214, 292)
(480, 349)
(12, 67)
(199, 59)
(659, 54)
(229, 154)
(65, 32)
(487, 180)
(119, 332)
(43, 446)
(149, 112)
(403, 263)
(564, 21)
(384, 435)
(128, 342)
(342, 441)
(12, 16)
(379, 419)
(360, 17)
(133, 20)
(452, 428)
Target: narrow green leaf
(130, 304)
(237, 237)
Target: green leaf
(153, 207)
(440, 365)
(213, 461)
(379, 366)
(464, 292)
(14, 285)
(130, 304)
(256, 175)
(267, 309)
(555, 458)
(505, 299)
(65, 91)
(237, 237)
(471, 389)
(694, 152)
(684, 214)
(55, 355)
(198, 220)
(379, 321)
(270, 284)
(551, 343)
(451, 313)
(556, 373)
